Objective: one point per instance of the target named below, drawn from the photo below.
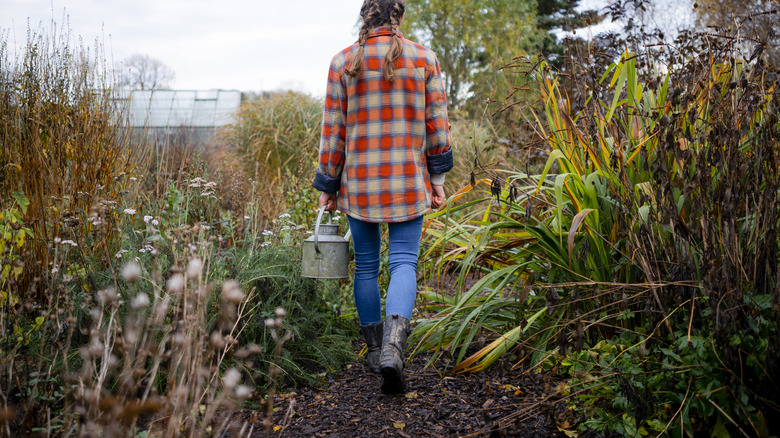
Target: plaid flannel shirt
(381, 140)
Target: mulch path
(495, 403)
(498, 402)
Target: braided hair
(376, 13)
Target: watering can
(325, 254)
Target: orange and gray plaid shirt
(382, 140)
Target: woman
(384, 151)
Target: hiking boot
(373, 335)
(391, 361)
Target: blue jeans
(404, 248)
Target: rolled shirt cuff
(437, 179)
(326, 184)
(440, 163)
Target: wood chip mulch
(498, 402)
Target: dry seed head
(217, 340)
(131, 272)
(131, 335)
(175, 283)
(270, 323)
(231, 378)
(194, 268)
(95, 349)
(140, 301)
(231, 292)
(280, 312)
(107, 296)
(249, 350)
(243, 391)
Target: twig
(690, 382)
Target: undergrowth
(643, 259)
(144, 291)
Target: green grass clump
(320, 338)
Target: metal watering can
(326, 254)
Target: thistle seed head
(231, 378)
(107, 296)
(232, 293)
(175, 283)
(140, 301)
(194, 268)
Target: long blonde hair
(376, 13)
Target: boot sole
(393, 381)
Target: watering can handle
(317, 227)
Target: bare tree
(142, 72)
(757, 20)
(664, 19)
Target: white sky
(247, 45)
(227, 44)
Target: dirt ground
(496, 403)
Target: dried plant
(50, 92)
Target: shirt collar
(384, 31)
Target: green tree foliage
(474, 39)
(561, 14)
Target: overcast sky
(227, 44)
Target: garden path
(496, 403)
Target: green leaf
(763, 302)
(21, 200)
(620, 72)
(575, 224)
(720, 431)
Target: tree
(553, 15)
(758, 22)
(142, 72)
(475, 38)
(469, 36)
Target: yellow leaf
(411, 395)
(277, 428)
(562, 387)
(569, 433)
(399, 425)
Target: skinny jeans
(404, 247)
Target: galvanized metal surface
(325, 254)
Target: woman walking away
(384, 152)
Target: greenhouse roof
(181, 108)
